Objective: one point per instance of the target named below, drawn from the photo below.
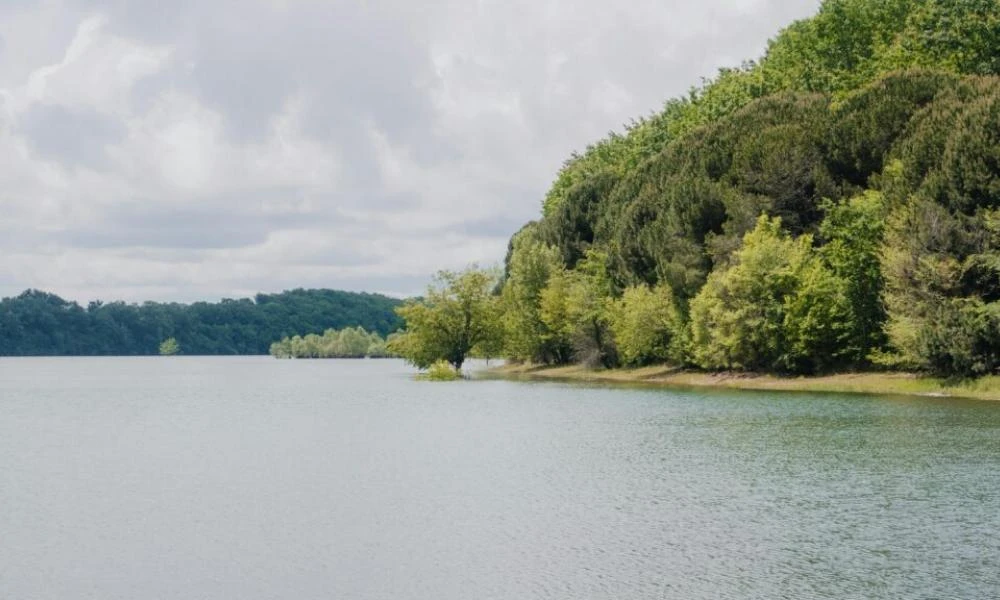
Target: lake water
(252, 478)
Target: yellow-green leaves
(169, 347)
(458, 314)
(778, 307)
(526, 335)
(648, 327)
(351, 342)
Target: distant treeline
(351, 342)
(36, 323)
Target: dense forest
(832, 206)
(40, 324)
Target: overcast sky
(192, 149)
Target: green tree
(853, 231)
(776, 308)
(648, 327)
(573, 310)
(282, 349)
(458, 313)
(526, 335)
(350, 342)
(169, 347)
(590, 293)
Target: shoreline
(877, 383)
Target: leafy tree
(571, 225)
(457, 315)
(776, 308)
(942, 282)
(526, 335)
(818, 322)
(660, 234)
(869, 122)
(969, 174)
(957, 35)
(921, 269)
(853, 231)
(169, 347)
(648, 327)
(961, 338)
(573, 309)
(350, 342)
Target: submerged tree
(351, 342)
(458, 316)
(169, 347)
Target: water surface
(251, 478)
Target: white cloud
(97, 70)
(172, 151)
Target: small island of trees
(169, 347)
(350, 342)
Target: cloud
(69, 136)
(195, 150)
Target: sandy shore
(986, 388)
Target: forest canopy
(40, 324)
(834, 205)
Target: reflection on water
(254, 478)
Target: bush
(441, 371)
(647, 327)
(777, 308)
(963, 338)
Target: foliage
(526, 335)
(647, 326)
(776, 308)
(169, 347)
(457, 315)
(573, 309)
(441, 370)
(36, 323)
(350, 342)
(942, 281)
(659, 236)
(853, 231)
(866, 135)
(962, 337)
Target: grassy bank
(986, 388)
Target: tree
(458, 314)
(853, 232)
(659, 234)
(776, 308)
(169, 347)
(648, 327)
(526, 335)
(590, 292)
(350, 342)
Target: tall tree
(458, 314)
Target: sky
(188, 150)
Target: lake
(253, 478)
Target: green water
(252, 478)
